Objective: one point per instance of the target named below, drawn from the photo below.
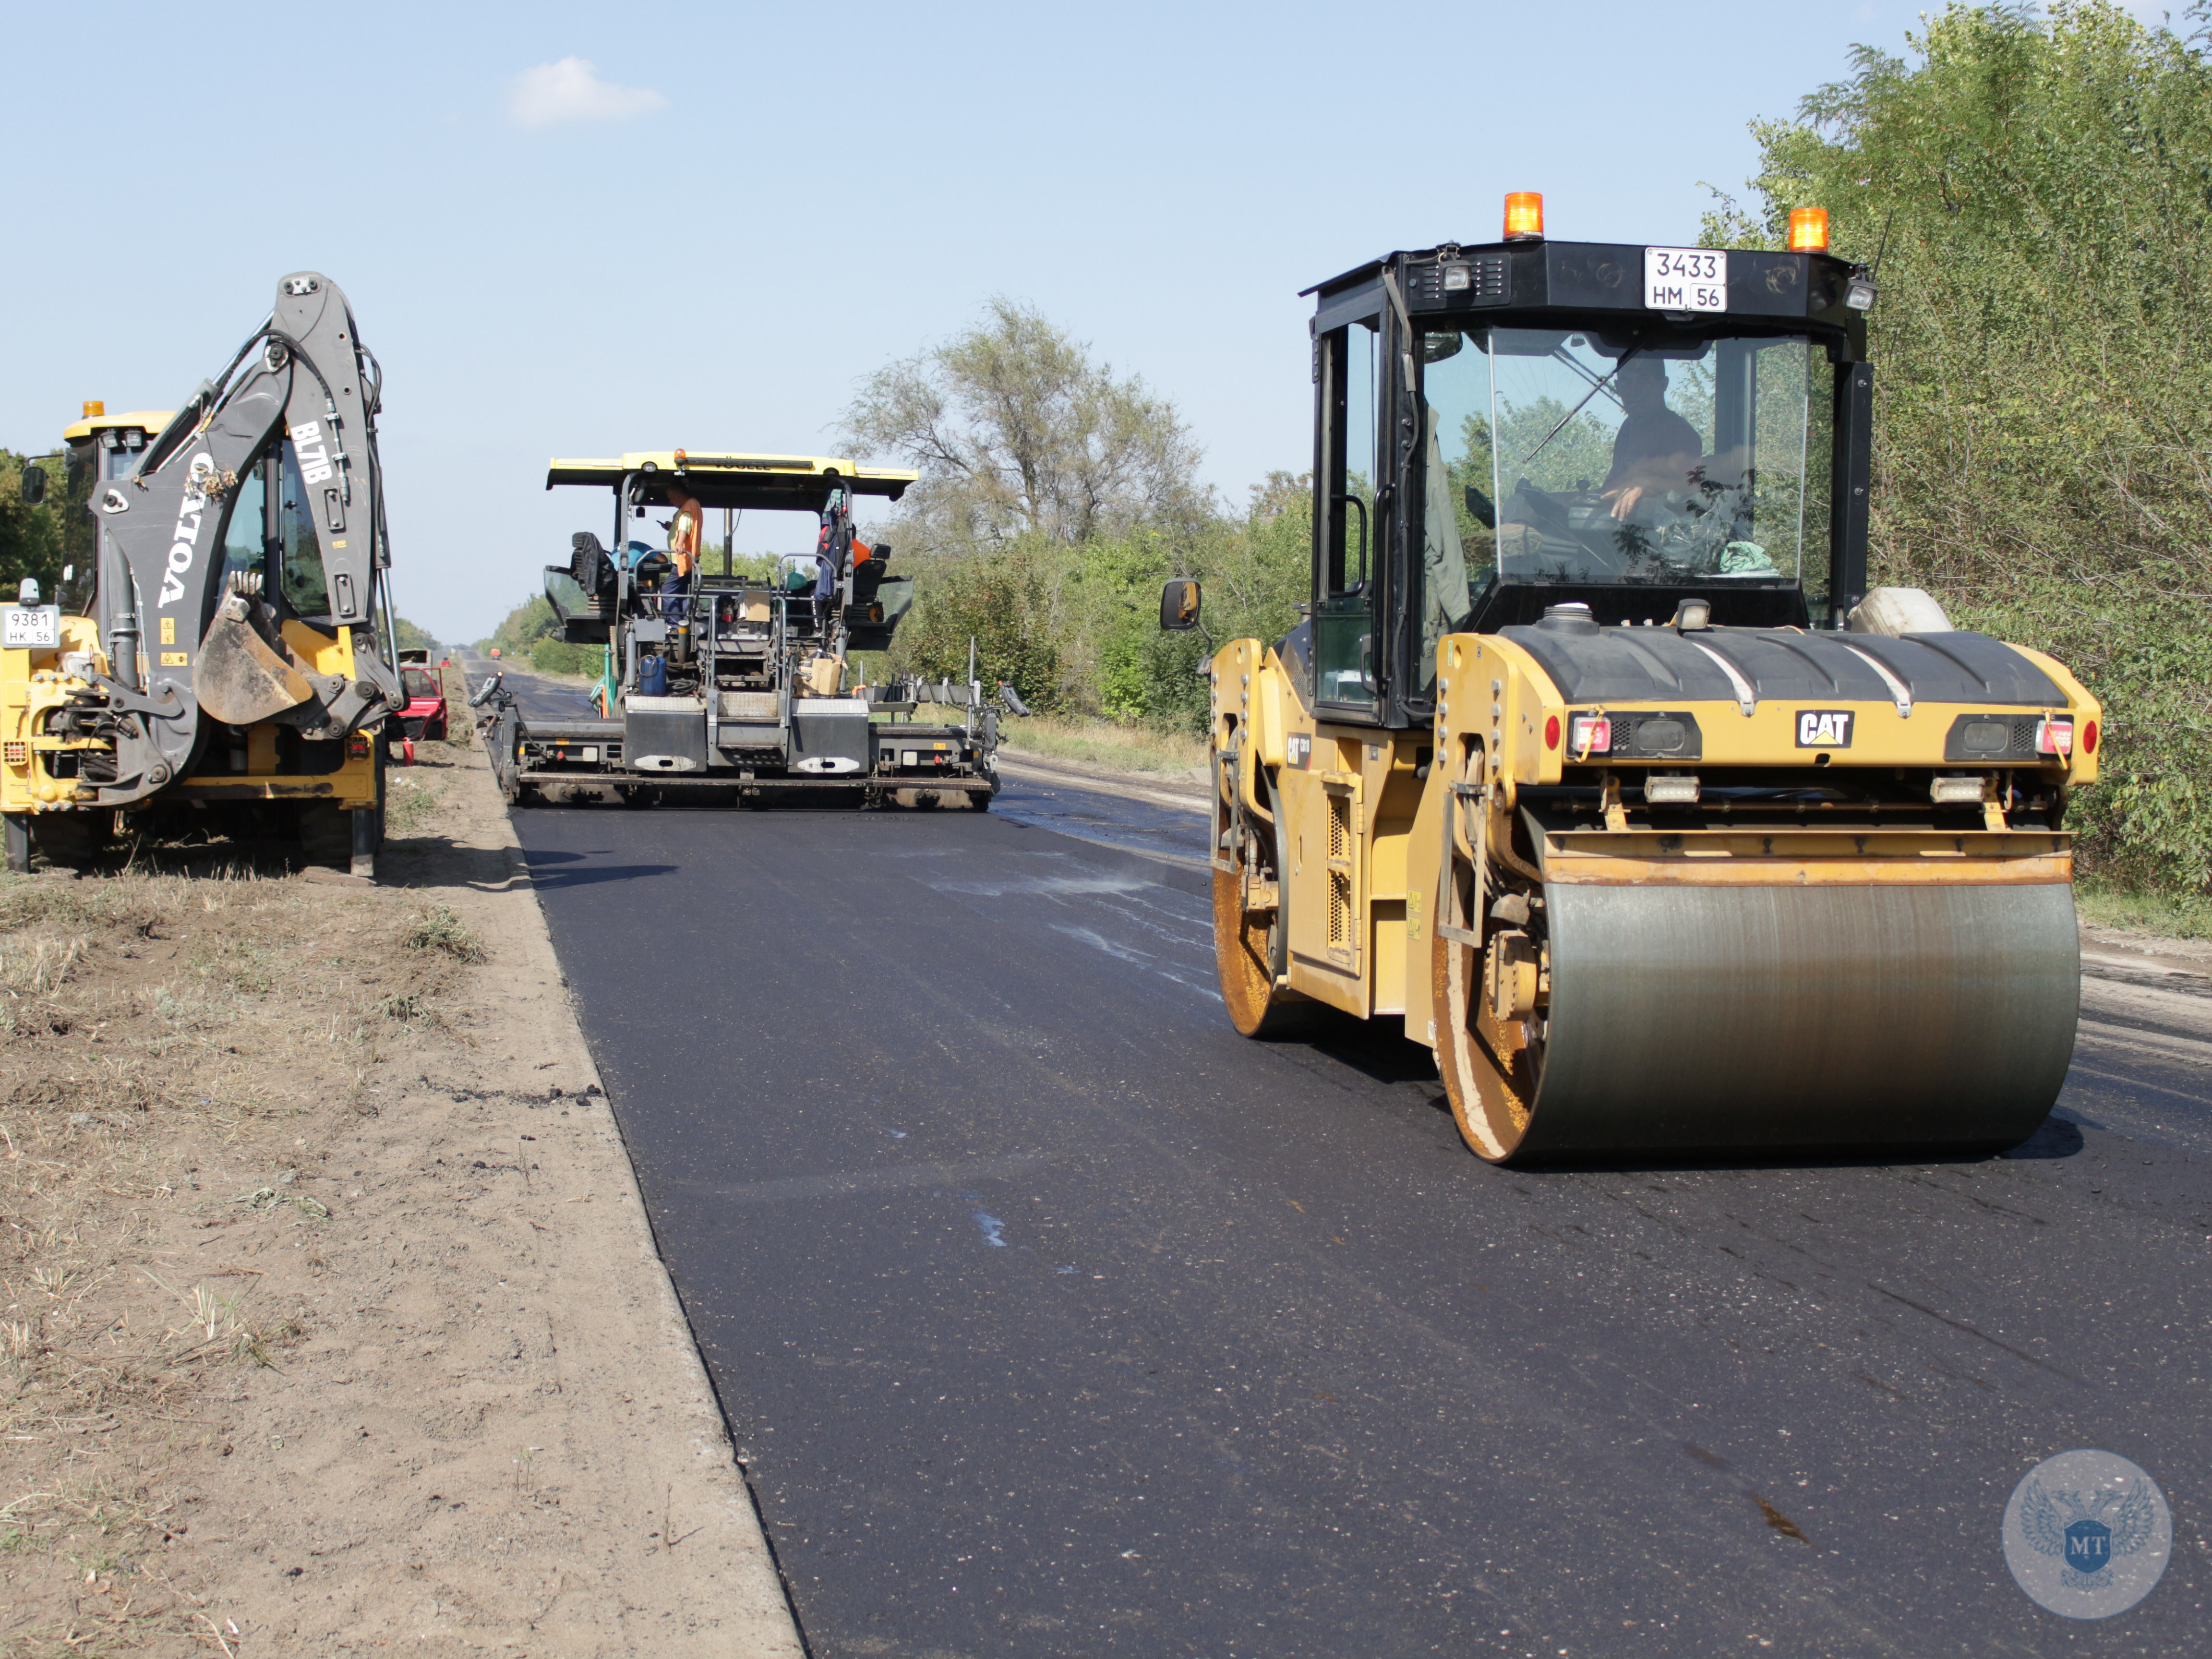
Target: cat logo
(1824, 728)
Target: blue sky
(574, 230)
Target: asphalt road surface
(1053, 1318)
(535, 694)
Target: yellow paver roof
(723, 478)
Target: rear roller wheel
(1245, 952)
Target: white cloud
(571, 90)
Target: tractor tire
(325, 835)
(68, 840)
(589, 565)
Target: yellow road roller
(1593, 759)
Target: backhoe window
(1571, 457)
(307, 590)
(80, 530)
(244, 536)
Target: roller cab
(1593, 761)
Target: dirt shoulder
(332, 1320)
(2130, 947)
(1171, 790)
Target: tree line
(2034, 189)
(2037, 188)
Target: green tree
(30, 537)
(2037, 187)
(1018, 432)
(1052, 493)
(1004, 604)
(531, 621)
(531, 632)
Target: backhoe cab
(1594, 760)
(217, 661)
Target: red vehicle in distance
(424, 716)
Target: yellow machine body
(1375, 825)
(33, 684)
(250, 763)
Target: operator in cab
(826, 572)
(1656, 449)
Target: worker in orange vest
(683, 552)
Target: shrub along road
(1051, 1318)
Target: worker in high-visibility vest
(683, 552)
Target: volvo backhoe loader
(220, 661)
(1593, 760)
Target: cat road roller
(1592, 758)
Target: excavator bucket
(239, 679)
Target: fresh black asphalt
(1051, 1318)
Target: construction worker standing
(683, 552)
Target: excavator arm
(209, 655)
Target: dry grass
(2107, 905)
(1102, 744)
(439, 929)
(175, 1049)
(411, 794)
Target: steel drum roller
(1804, 1017)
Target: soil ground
(329, 1317)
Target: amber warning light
(1809, 230)
(95, 409)
(1524, 215)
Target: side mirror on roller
(33, 485)
(1179, 605)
